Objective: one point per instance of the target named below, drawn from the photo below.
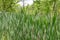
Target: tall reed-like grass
(28, 27)
(41, 24)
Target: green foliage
(27, 27)
(41, 21)
(8, 5)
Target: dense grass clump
(29, 27)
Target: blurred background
(29, 19)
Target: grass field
(29, 27)
(41, 21)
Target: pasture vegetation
(41, 21)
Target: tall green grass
(29, 27)
(41, 24)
